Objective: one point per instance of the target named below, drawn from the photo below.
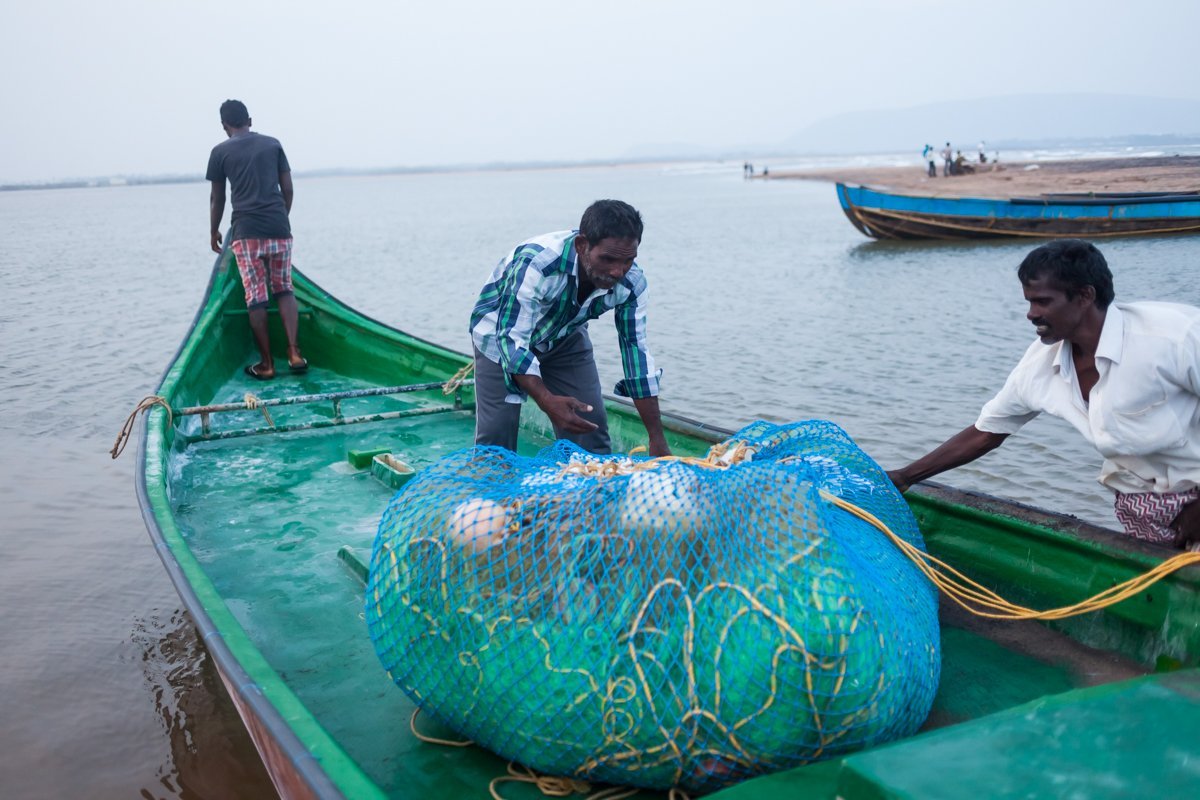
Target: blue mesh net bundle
(658, 622)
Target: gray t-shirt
(253, 163)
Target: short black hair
(234, 114)
(610, 219)
(1073, 264)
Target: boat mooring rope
(147, 403)
(457, 378)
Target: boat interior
(279, 502)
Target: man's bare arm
(285, 186)
(962, 448)
(216, 210)
(651, 417)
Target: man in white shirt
(1127, 376)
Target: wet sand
(1023, 179)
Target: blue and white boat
(886, 215)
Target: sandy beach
(1022, 179)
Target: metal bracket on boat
(205, 412)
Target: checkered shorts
(1148, 516)
(263, 261)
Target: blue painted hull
(884, 215)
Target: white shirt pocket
(1141, 421)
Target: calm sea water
(766, 304)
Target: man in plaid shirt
(529, 329)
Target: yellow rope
(252, 403)
(145, 405)
(457, 378)
(553, 786)
(983, 602)
(412, 726)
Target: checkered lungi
(261, 262)
(1148, 515)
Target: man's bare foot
(296, 362)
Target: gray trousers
(567, 369)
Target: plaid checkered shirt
(529, 304)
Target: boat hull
(884, 215)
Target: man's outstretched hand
(216, 242)
(897, 477)
(1187, 525)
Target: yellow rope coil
(553, 786)
(146, 403)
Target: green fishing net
(658, 623)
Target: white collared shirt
(1143, 414)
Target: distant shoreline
(1017, 179)
(151, 180)
(1006, 179)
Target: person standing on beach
(947, 159)
(927, 157)
(1125, 375)
(529, 332)
(260, 234)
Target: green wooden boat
(265, 516)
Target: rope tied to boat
(144, 405)
(254, 403)
(456, 380)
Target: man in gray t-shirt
(260, 235)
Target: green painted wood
(248, 529)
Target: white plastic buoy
(478, 524)
(660, 499)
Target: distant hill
(1004, 122)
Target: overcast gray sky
(133, 86)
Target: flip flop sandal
(258, 376)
